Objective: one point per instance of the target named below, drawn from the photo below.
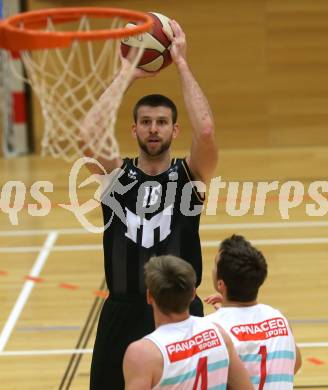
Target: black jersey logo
(132, 174)
(161, 221)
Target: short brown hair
(156, 100)
(242, 267)
(171, 282)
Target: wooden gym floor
(51, 269)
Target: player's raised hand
(178, 48)
(126, 64)
(215, 300)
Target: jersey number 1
(201, 374)
(263, 352)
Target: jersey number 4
(201, 374)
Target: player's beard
(162, 147)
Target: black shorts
(122, 321)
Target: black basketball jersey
(147, 216)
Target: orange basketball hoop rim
(22, 31)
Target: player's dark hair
(156, 100)
(171, 282)
(242, 267)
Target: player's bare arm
(298, 360)
(142, 365)
(298, 356)
(203, 154)
(97, 115)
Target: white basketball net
(68, 83)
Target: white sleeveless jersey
(194, 354)
(264, 342)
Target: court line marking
(263, 225)
(50, 328)
(309, 321)
(34, 329)
(322, 344)
(47, 352)
(205, 244)
(57, 248)
(206, 226)
(90, 350)
(40, 232)
(27, 288)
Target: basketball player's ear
(176, 130)
(220, 286)
(149, 297)
(134, 130)
(194, 294)
(214, 273)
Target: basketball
(156, 55)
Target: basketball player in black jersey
(159, 211)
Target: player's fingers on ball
(178, 27)
(133, 52)
(174, 27)
(181, 36)
(168, 35)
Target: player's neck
(154, 165)
(227, 303)
(163, 319)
